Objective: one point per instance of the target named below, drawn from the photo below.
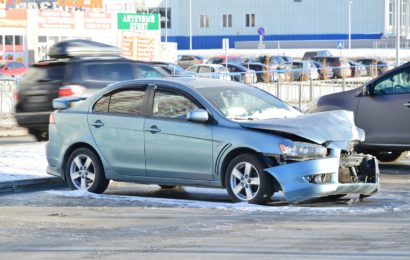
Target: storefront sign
(97, 21)
(138, 22)
(56, 20)
(81, 3)
(142, 46)
(13, 18)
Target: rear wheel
(167, 187)
(246, 181)
(39, 135)
(84, 171)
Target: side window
(110, 72)
(204, 69)
(171, 105)
(187, 57)
(394, 84)
(125, 102)
(192, 69)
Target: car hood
(332, 126)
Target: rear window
(50, 72)
(109, 71)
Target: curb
(10, 132)
(11, 186)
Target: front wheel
(84, 171)
(246, 181)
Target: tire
(389, 156)
(335, 197)
(84, 171)
(246, 181)
(39, 135)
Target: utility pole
(350, 23)
(190, 25)
(398, 30)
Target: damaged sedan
(209, 133)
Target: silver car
(204, 132)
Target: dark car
(225, 59)
(374, 67)
(241, 73)
(170, 68)
(339, 65)
(273, 61)
(358, 70)
(263, 73)
(72, 76)
(382, 108)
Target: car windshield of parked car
(247, 103)
(221, 69)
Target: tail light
(51, 119)
(71, 90)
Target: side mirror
(369, 90)
(198, 116)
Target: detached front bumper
(297, 179)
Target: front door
(174, 147)
(385, 113)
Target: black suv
(75, 75)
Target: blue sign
(340, 44)
(261, 31)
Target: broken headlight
(299, 151)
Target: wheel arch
(242, 150)
(74, 147)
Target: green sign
(140, 22)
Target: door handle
(97, 124)
(154, 129)
(406, 104)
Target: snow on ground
(22, 161)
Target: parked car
(358, 70)
(214, 71)
(12, 68)
(202, 132)
(186, 61)
(240, 73)
(374, 67)
(381, 107)
(324, 72)
(71, 76)
(303, 70)
(225, 59)
(310, 54)
(287, 59)
(272, 61)
(263, 72)
(339, 65)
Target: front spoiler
(296, 189)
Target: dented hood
(320, 127)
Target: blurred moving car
(263, 72)
(202, 132)
(71, 74)
(12, 68)
(225, 59)
(382, 108)
(339, 65)
(310, 54)
(375, 67)
(240, 73)
(358, 70)
(214, 71)
(186, 61)
(324, 72)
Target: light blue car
(204, 132)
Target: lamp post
(166, 21)
(350, 24)
(190, 25)
(398, 27)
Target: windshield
(247, 103)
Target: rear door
(117, 124)
(385, 115)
